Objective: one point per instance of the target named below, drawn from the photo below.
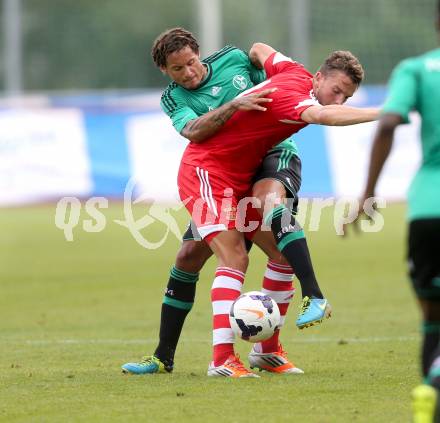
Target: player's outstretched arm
(204, 127)
(337, 115)
(380, 150)
(382, 143)
(259, 53)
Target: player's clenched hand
(254, 101)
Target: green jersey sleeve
(256, 75)
(176, 108)
(402, 95)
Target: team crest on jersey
(239, 82)
(215, 90)
(230, 212)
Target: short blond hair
(344, 61)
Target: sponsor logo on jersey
(215, 90)
(239, 82)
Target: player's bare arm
(338, 115)
(259, 53)
(200, 129)
(382, 144)
(380, 151)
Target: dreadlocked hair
(172, 40)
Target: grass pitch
(72, 312)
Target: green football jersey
(230, 72)
(415, 85)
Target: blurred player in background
(415, 85)
(223, 167)
(199, 101)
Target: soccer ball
(254, 316)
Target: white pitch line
(312, 340)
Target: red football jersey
(240, 146)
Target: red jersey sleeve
(288, 106)
(294, 95)
(277, 63)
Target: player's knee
(269, 194)
(192, 256)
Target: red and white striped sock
(277, 283)
(225, 290)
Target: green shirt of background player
(415, 85)
(200, 100)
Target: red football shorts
(216, 203)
